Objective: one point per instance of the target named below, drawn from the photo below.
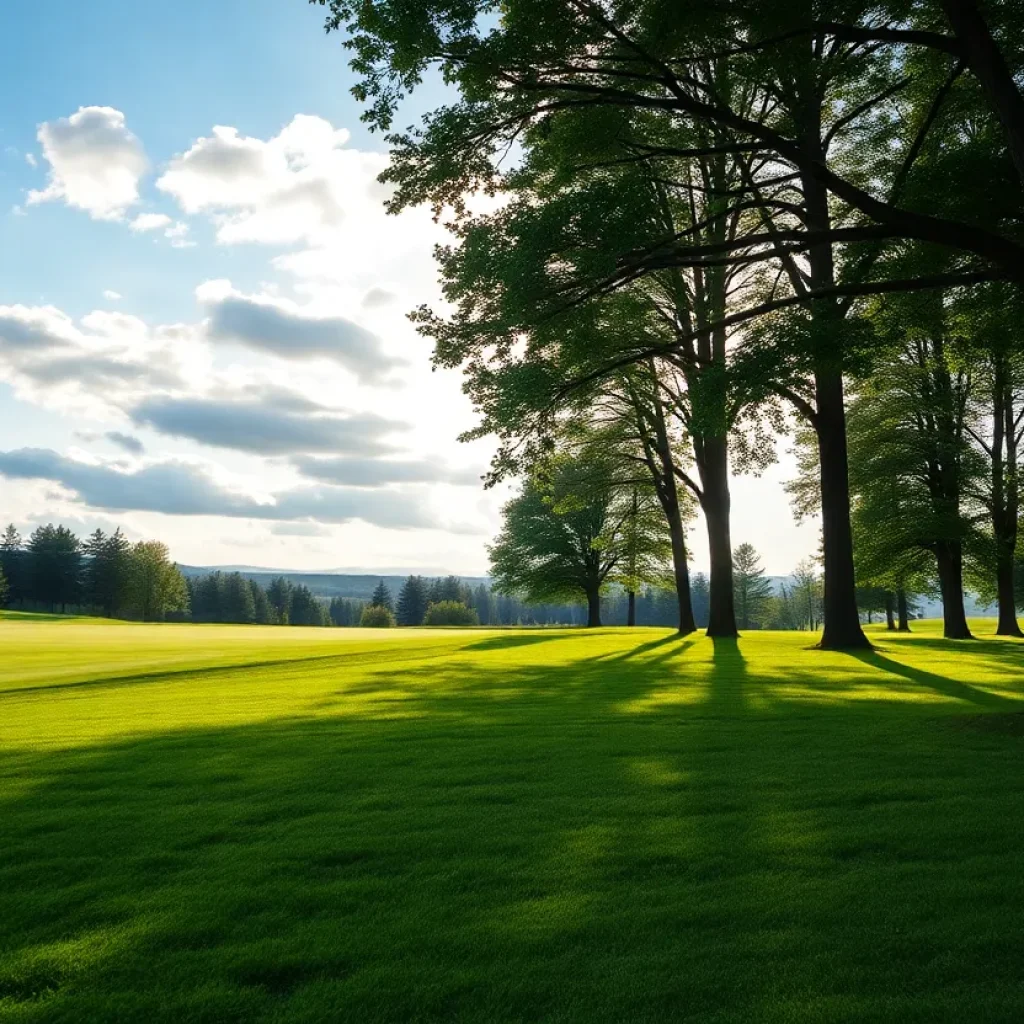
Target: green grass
(243, 824)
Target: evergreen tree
(263, 613)
(452, 589)
(12, 563)
(752, 587)
(279, 593)
(701, 596)
(3, 588)
(237, 600)
(207, 598)
(382, 597)
(412, 602)
(483, 604)
(55, 566)
(306, 608)
(106, 571)
(435, 592)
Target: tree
(237, 602)
(753, 588)
(3, 588)
(806, 594)
(106, 571)
(381, 597)
(306, 608)
(155, 584)
(412, 602)
(377, 616)
(562, 536)
(450, 613)
(279, 594)
(55, 566)
(263, 613)
(701, 599)
(12, 564)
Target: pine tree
(412, 602)
(55, 566)
(700, 593)
(279, 593)
(751, 587)
(238, 604)
(382, 597)
(264, 614)
(12, 563)
(306, 609)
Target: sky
(203, 330)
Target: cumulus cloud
(297, 186)
(95, 163)
(376, 298)
(179, 488)
(283, 329)
(149, 222)
(261, 427)
(126, 442)
(355, 471)
(111, 295)
(95, 364)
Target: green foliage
(55, 566)
(450, 613)
(377, 616)
(412, 602)
(155, 586)
(279, 594)
(382, 597)
(751, 588)
(306, 609)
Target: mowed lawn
(203, 823)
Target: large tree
(55, 566)
(564, 535)
(412, 602)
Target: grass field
(203, 823)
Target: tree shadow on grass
(514, 859)
(944, 685)
(501, 643)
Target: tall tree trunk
(903, 619)
(631, 608)
(890, 621)
(985, 59)
(1005, 497)
(716, 504)
(681, 572)
(593, 608)
(950, 563)
(842, 628)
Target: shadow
(950, 688)
(492, 840)
(501, 643)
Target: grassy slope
(557, 826)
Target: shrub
(450, 613)
(377, 617)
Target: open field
(202, 823)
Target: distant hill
(324, 584)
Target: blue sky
(202, 329)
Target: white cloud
(300, 185)
(95, 162)
(149, 222)
(31, 160)
(178, 234)
(280, 327)
(111, 295)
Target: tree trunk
(1007, 624)
(950, 562)
(902, 617)
(1005, 506)
(631, 613)
(681, 571)
(716, 504)
(985, 59)
(593, 608)
(842, 629)
(890, 620)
